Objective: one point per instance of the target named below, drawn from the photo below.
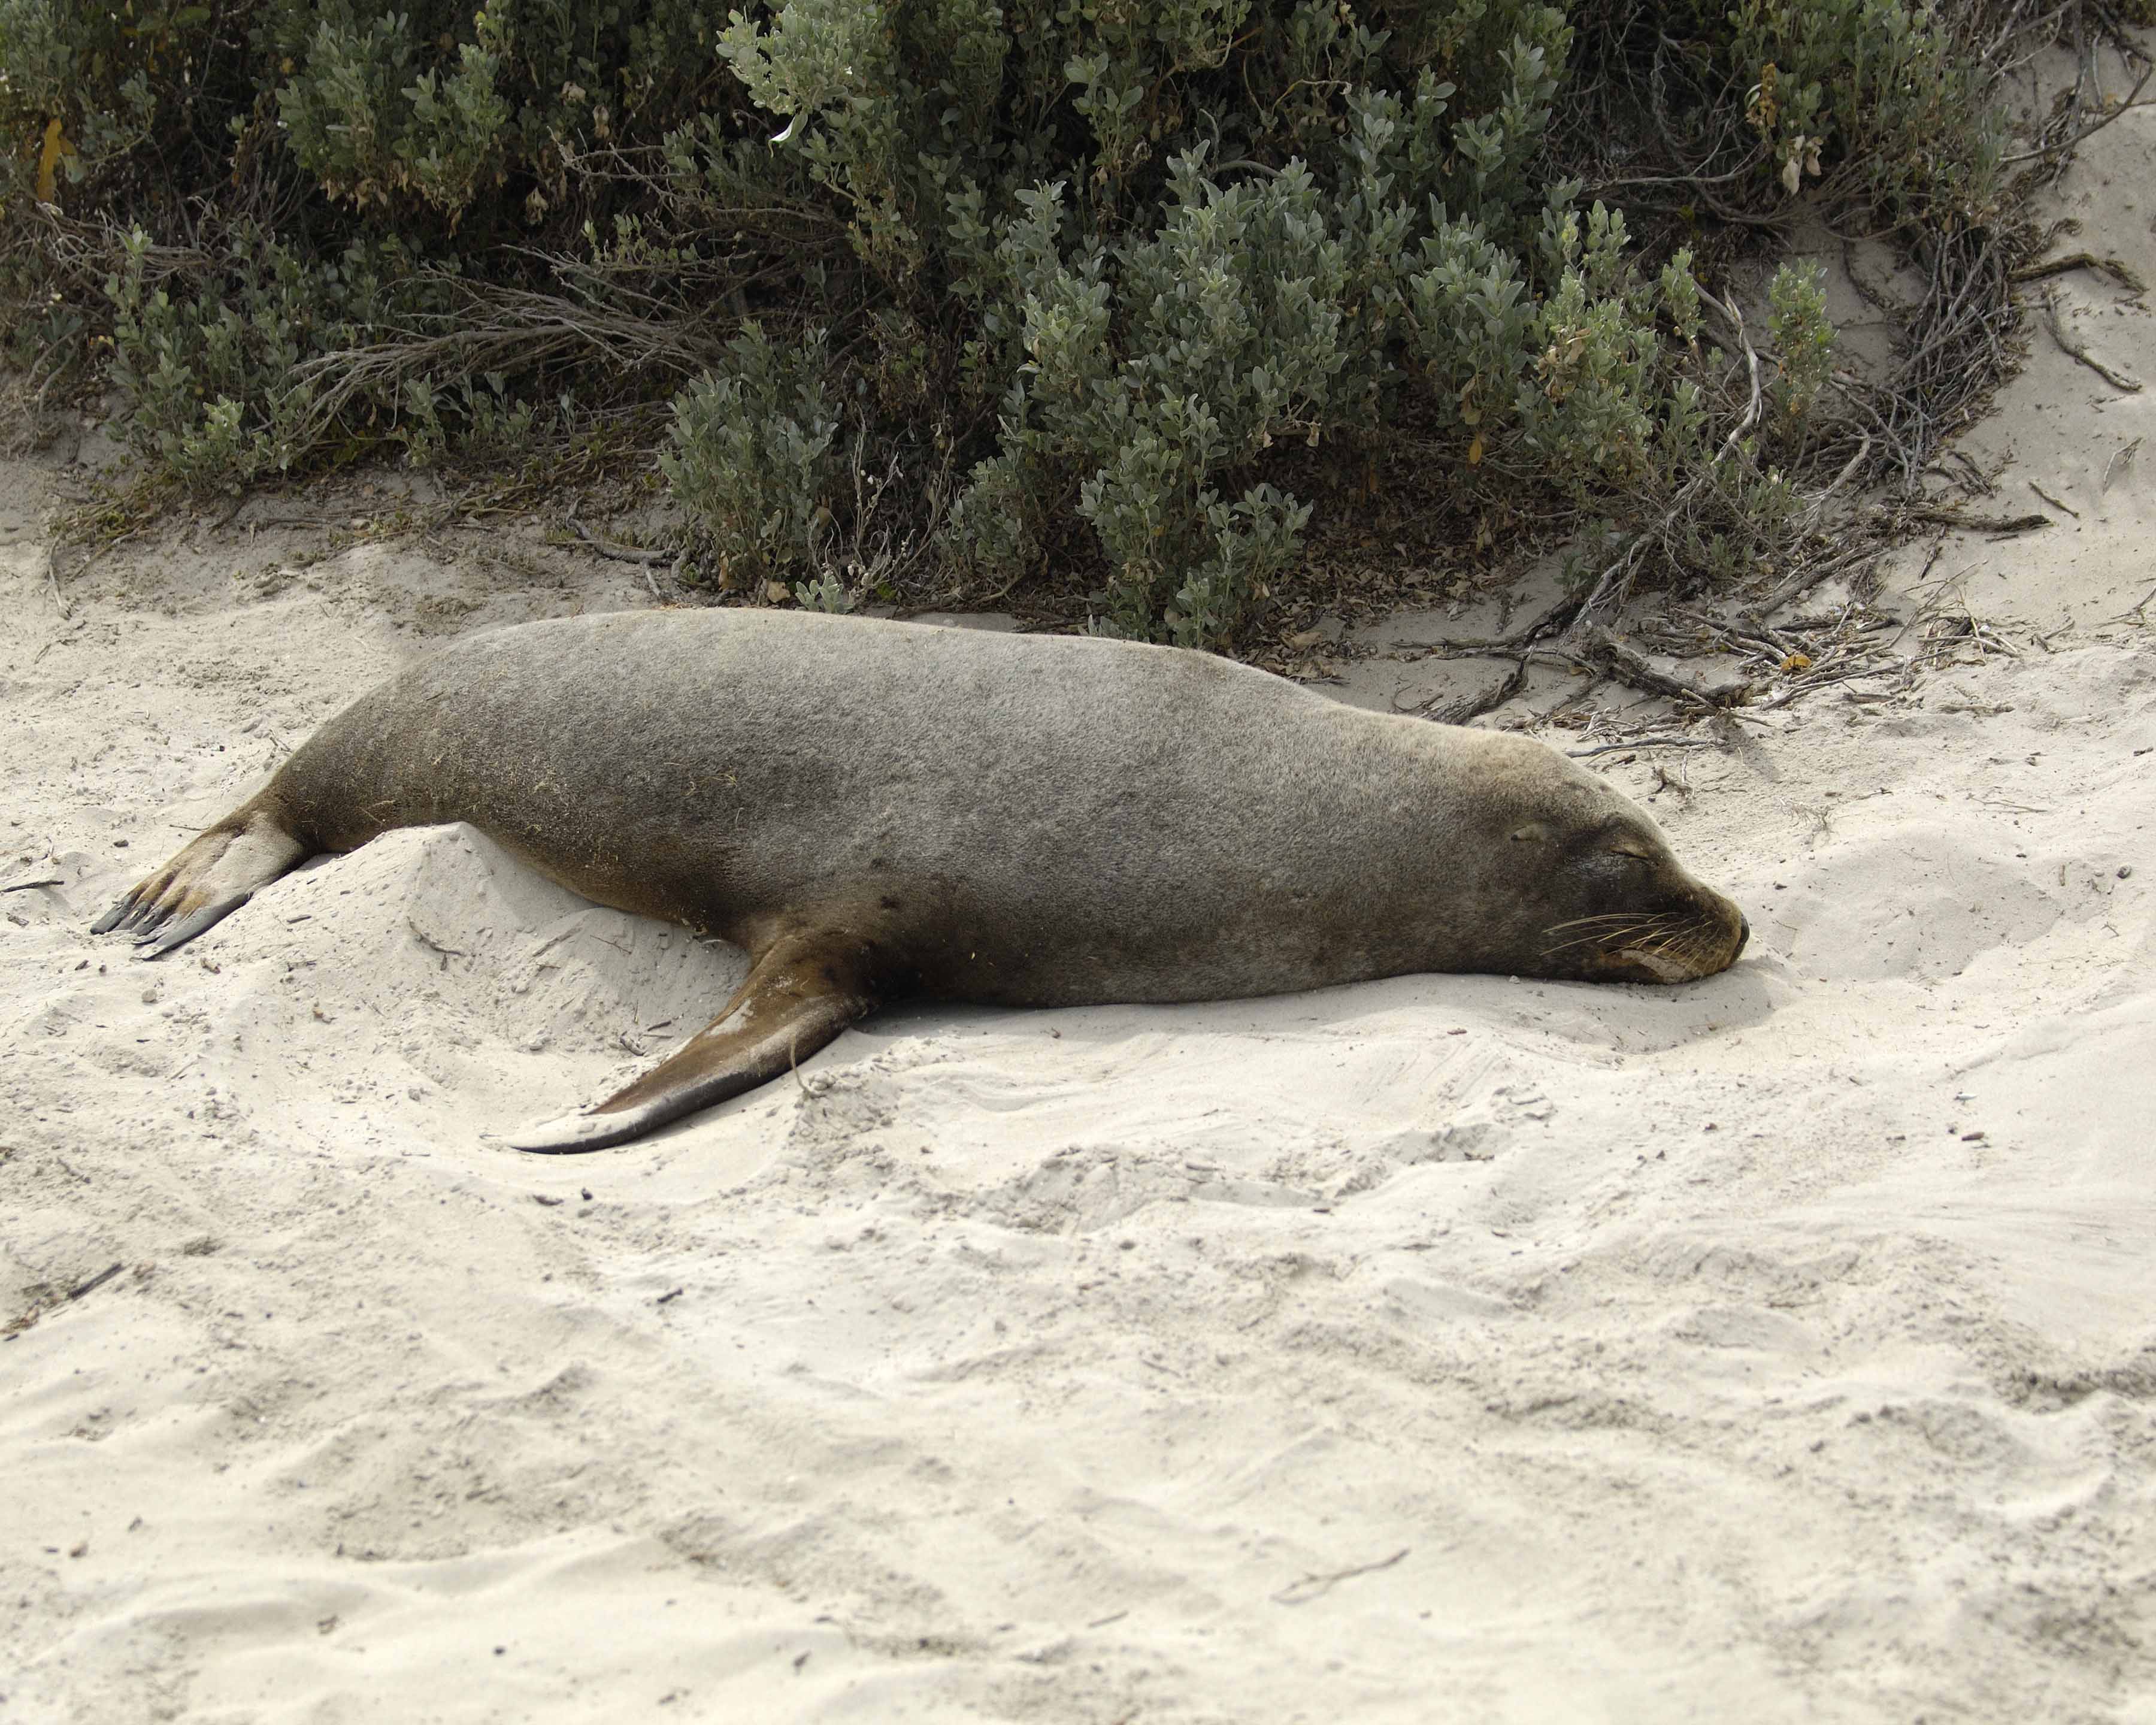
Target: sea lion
(881, 809)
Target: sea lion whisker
(1703, 934)
(1701, 948)
(1610, 916)
(1604, 939)
(1605, 942)
(1688, 951)
(1622, 927)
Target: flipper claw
(160, 941)
(209, 879)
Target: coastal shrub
(1803, 337)
(1877, 94)
(210, 357)
(1117, 294)
(749, 451)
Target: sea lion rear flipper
(210, 879)
(796, 998)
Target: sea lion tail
(213, 876)
(797, 997)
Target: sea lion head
(1589, 888)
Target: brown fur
(878, 809)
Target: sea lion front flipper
(796, 998)
(212, 877)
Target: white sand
(1777, 1348)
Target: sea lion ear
(1533, 833)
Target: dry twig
(2076, 348)
(1302, 1591)
(2120, 458)
(2113, 267)
(619, 553)
(1645, 743)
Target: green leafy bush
(1876, 93)
(211, 359)
(1118, 270)
(1802, 336)
(750, 452)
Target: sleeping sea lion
(874, 810)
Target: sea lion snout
(1681, 932)
(1716, 914)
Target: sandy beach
(1780, 1348)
